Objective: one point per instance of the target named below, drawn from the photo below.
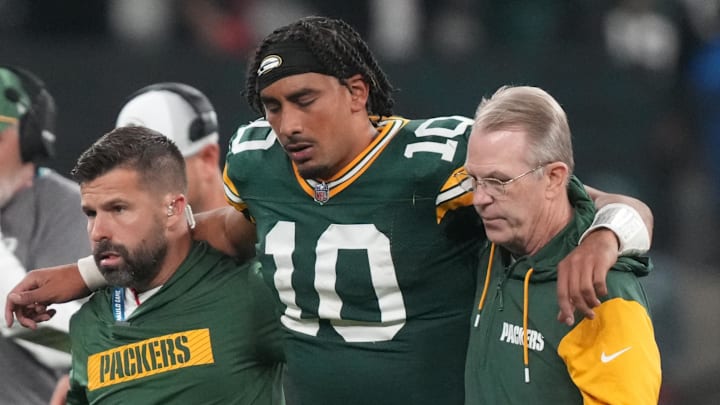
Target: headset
(205, 122)
(37, 124)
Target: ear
(175, 210)
(206, 161)
(558, 175)
(211, 154)
(359, 92)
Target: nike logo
(606, 358)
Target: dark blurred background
(639, 79)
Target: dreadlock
(339, 49)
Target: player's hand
(32, 314)
(582, 275)
(27, 302)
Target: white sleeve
(628, 226)
(90, 273)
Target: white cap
(168, 113)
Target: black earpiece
(205, 122)
(37, 124)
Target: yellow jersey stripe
(360, 164)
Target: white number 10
(280, 243)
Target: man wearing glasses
(518, 353)
(490, 185)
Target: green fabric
(494, 369)
(371, 258)
(8, 108)
(209, 291)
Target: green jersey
(374, 268)
(208, 336)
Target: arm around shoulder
(630, 219)
(622, 226)
(27, 301)
(227, 230)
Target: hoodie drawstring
(485, 287)
(526, 299)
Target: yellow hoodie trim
(526, 305)
(487, 284)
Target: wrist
(627, 225)
(90, 273)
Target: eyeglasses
(491, 186)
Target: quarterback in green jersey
(374, 266)
(365, 237)
(363, 231)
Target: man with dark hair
(366, 238)
(185, 115)
(180, 322)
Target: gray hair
(535, 111)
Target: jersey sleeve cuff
(90, 273)
(628, 226)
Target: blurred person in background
(185, 115)
(41, 225)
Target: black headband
(284, 59)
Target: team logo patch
(269, 63)
(322, 193)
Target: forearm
(27, 301)
(226, 230)
(622, 226)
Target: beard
(138, 267)
(315, 172)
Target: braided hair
(339, 49)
